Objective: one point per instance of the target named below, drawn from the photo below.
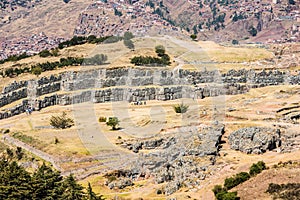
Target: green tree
(160, 50)
(128, 36)
(72, 190)
(14, 181)
(55, 52)
(113, 122)
(92, 195)
(129, 44)
(46, 183)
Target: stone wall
(12, 96)
(14, 86)
(133, 84)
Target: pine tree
(14, 182)
(72, 190)
(46, 183)
(92, 195)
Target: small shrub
(61, 122)
(235, 42)
(224, 195)
(193, 37)
(159, 191)
(56, 141)
(102, 119)
(111, 179)
(9, 153)
(6, 131)
(181, 108)
(19, 153)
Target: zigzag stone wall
(129, 84)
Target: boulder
(255, 140)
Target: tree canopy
(45, 183)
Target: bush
(55, 52)
(113, 122)
(227, 196)
(163, 58)
(235, 42)
(45, 53)
(61, 122)
(181, 108)
(287, 191)
(252, 31)
(36, 70)
(6, 131)
(159, 191)
(19, 153)
(218, 188)
(193, 37)
(56, 141)
(102, 119)
(129, 44)
(98, 59)
(257, 168)
(236, 180)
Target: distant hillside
(225, 20)
(219, 20)
(53, 17)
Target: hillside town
(29, 45)
(114, 17)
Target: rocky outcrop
(255, 140)
(176, 156)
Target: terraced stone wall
(133, 85)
